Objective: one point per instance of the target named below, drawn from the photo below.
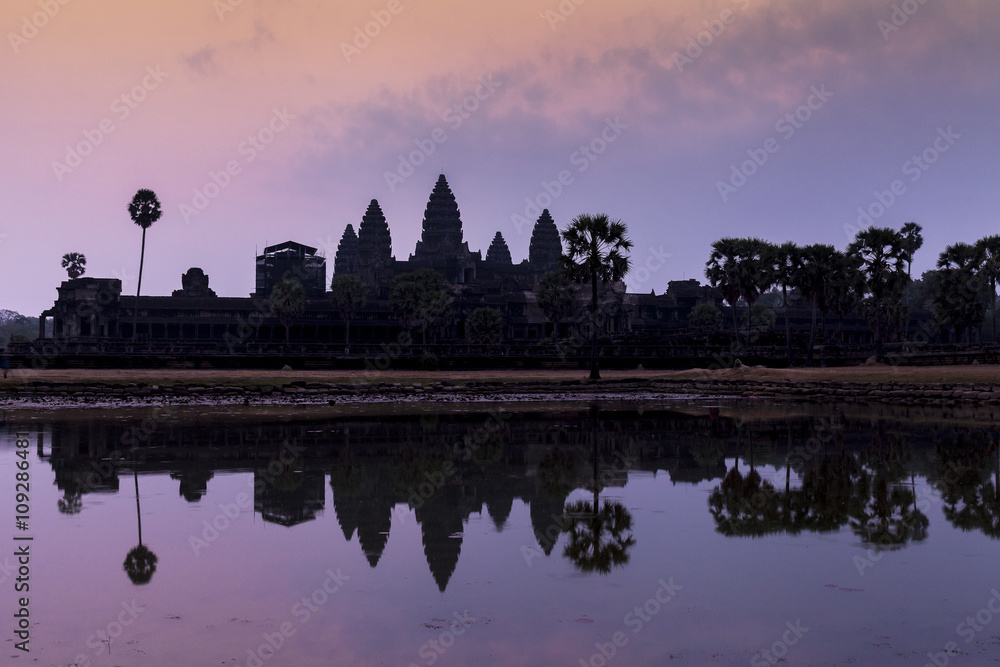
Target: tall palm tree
(845, 287)
(912, 239)
(738, 269)
(989, 248)
(882, 254)
(145, 210)
(783, 263)
(817, 264)
(723, 273)
(140, 563)
(75, 264)
(959, 287)
(755, 279)
(597, 250)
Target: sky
(261, 121)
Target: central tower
(441, 237)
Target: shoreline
(110, 389)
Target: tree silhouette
(844, 288)
(140, 562)
(818, 262)
(959, 286)
(288, 300)
(783, 263)
(723, 273)
(882, 253)
(420, 299)
(738, 269)
(75, 264)
(349, 296)
(484, 326)
(555, 298)
(989, 248)
(912, 240)
(597, 250)
(145, 210)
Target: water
(469, 536)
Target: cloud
(202, 61)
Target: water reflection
(968, 477)
(820, 475)
(600, 537)
(864, 489)
(140, 562)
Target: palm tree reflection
(963, 476)
(865, 491)
(140, 562)
(600, 537)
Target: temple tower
(499, 253)
(374, 244)
(442, 227)
(545, 248)
(347, 259)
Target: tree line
(870, 277)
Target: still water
(694, 533)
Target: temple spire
(442, 226)
(499, 253)
(545, 248)
(374, 238)
(346, 260)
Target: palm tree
(738, 269)
(140, 562)
(783, 263)
(958, 289)
(817, 264)
(75, 264)
(145, 210)
(912, 239)
(722, 271)
(349, 296)
(288, 300)
(754, 276)
(845, 287)
(597, 249)
(882, 254)
(989, 248)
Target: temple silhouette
(91, 318)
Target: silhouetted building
(291, 260)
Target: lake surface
(687, 533)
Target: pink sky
(345, 118)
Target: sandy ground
(899, 374)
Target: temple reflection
(821, 474)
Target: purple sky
(200, 77)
